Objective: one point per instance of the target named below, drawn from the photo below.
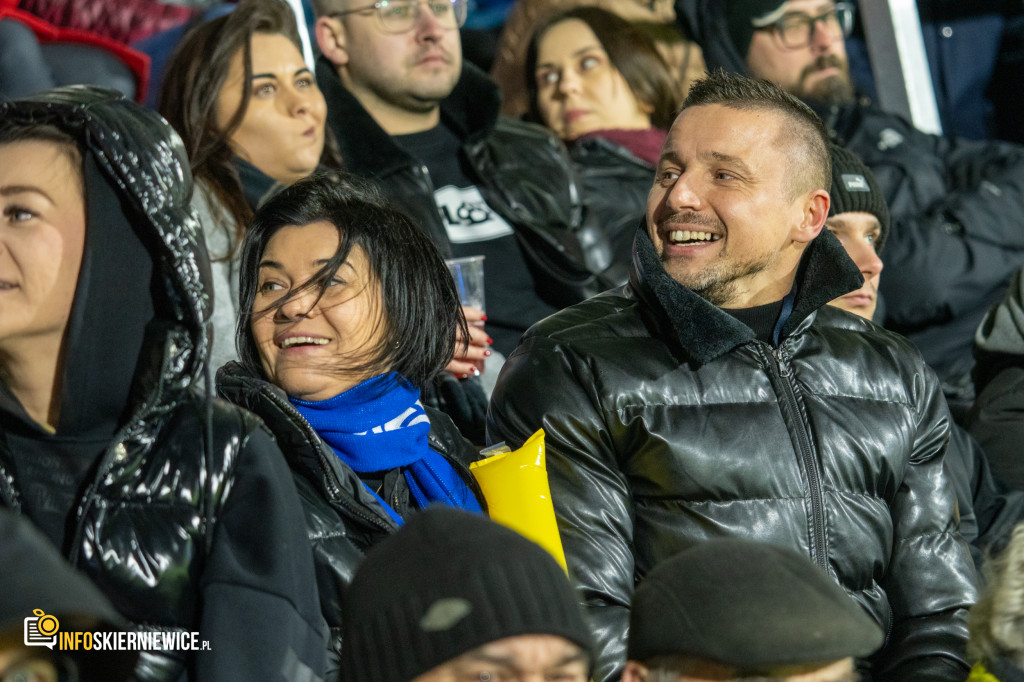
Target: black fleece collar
(470, 111)
(706, 331)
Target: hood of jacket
(705, 22)
(138, 188)
(471, 111)
(704, 330)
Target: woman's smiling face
(309, 344)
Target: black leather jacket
(522, 170)
(342, 519)
(188, 521)
(668, 423)
(615, 187)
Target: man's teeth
(302, 340)
(679, 236)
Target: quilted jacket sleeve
(260, 610)
(931, 578)
(544, 385)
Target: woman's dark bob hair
(420, 309)
(630, 51)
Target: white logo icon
(41, 630)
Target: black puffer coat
(189, 520)
(957, 214)
(615, 187)
(342, 519)
(669, 423)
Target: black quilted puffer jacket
(669, 423)
(188, 519)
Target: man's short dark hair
(420, 306)
(732, 90)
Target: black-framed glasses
(399, 16)
(796, 29)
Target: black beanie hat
(749, 605)
(740, 18)
(855, 188)
(446, 583)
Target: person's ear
(814, 206)
(331, 37)
(634, 672)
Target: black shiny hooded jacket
(187, 519)
(668, 423)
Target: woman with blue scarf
(347, 309)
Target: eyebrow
(277, 266)
(9, 190)
(270, 75)
(727, 158)
(577, 53)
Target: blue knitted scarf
(380, 425)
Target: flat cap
(747, 605)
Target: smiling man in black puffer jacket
(717, 395)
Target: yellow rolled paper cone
(515, 485)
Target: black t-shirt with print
(475, 229)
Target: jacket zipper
(806, 452)
(329, 478)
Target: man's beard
(716, 282)
(832, 90)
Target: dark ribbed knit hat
(748, 605)
(446, 583)
(743, 15)
(854, 188)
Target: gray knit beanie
(854, 188)
(446, 583)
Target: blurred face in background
(282, 131)
(804, 50)
(525, 658)
(859, 231)
(579, 90)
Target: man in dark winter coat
(957, 205)
(178, 506)
(717, 394)
(409, 113)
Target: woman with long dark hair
(252, 118)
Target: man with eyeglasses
(957, 206)
(409, 113)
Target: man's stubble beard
(717, 282)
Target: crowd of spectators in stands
(773, 335)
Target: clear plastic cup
(468, 274)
